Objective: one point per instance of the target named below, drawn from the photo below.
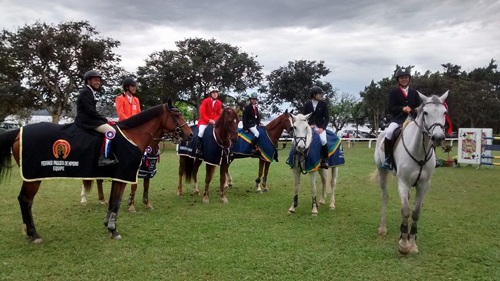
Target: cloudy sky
(359, 40)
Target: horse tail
(87, 185)
(186, 165)
(374, 176)
(7, 140)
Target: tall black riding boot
(199, 147)
(388, 154)
(104, 157)
(324, 156)
(254, 142)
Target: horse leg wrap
(106, 219)
(264, 180)
(112, 221)
(413, 229)
(295, 201)
(314, 202)
(130, 200)
(403, 229)
(257, 181)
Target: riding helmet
(315, 90)
(253, 95)
(128, 82)
(91, 74)
(402, 72)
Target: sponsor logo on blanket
(61, 148)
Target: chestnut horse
(226, 134)
(140, 129)
(87, 185)
(274, 130)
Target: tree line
(42, 65)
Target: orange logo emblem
(61, 148)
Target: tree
(341, 111)
(186, 73)
(291, 84)
(50, 61)
(375, 98)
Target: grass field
(252, 237)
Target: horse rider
(403, 101)
(251, 119)
(210, 111)
(127, 104)
(88, 118)
(318, 120)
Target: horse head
(227, 126)
(175, 126)
(288, 119)
(431, 117)
(302, 132)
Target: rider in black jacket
(319, 120)
(251, 119)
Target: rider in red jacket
(210, 111)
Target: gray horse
(415, 159)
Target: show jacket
(398, 100)
(207, 111)
(250, 117)
(126, 108)
(319, 117)
(87, 116)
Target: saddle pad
(50, 151)
(313, 157)
(212, 152)
(243, 148)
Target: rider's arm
(120, 108)
(203, 112)
(87, 100)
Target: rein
(425, 131)
(301, 155)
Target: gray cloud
(359, 40)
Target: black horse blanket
(51, 151)
(212, 151)
(149, 162)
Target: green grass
(252, 237)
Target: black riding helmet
(128, 82)
(314, 91)
(90, 74)
(402, 72)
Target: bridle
(301, 155)
(231, 134)
(426, 131)
(175, 136)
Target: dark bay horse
(140, 129)
(274, 130)
(226, 134)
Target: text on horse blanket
(66, 151)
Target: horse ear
(444, 96)
(293, 116)
(169, 104)
(286, 111)
(308, 116)
(291, 111)
(422, 96)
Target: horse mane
(142, 117)
(271, 125)
(223, 115)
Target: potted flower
(447, 148)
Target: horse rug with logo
(213, 153)
(313, 155)
(243, 148)
(51, 151)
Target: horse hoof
(403, 247)
(132, 210)
(83, 202)
(259, 191)
(224, 200)
(196, 193)
(414, 250)
(321, 203)
(291, 211)
(179, 193)
(150, 207)
(115, 237)
(230, 186)
(205, 200)
(266, 190)
(332, 207)
(382, 231)
(104, 203)
(37, 241)
(25, 229)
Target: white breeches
(254, 131)
(322, 136)
(390, 130)
(201, 130)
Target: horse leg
(419, 198)
(115, 200)
(181, 173)
(333, 185)
(130, 201)
(25, 198)
(196, 167)
(382, 175)
(223, 171)
(86, 186)
(313, 194)
(324, 176)
(257, 180)
(210, 170)
(229, 180)
(404, 245)
(100, 193)
(296, 177)
(145, 195)
(264, 179)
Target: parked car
(7, 126)
(452, 135)
(367, 135)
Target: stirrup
(387, 164)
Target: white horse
(302, 138)
(415, 159)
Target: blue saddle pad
(243, 148)
(212, 151)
